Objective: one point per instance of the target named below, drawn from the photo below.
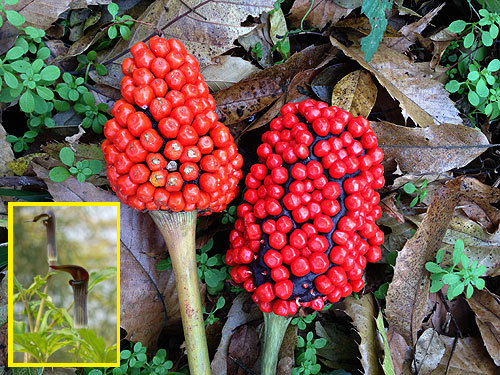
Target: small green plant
(302, 321)
(229, 215)
(419, 189)
(211, 319)
(72, 88)
(457, 278)
(13, 17)
(211, 270)
(471, 78)
(306, 359)
(136, 363)
(81, 169)
(21, 143)
(257, 49)
(122, 24)
(482, 88)
(94, 114)
(51, 328)
(87, 61)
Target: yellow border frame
(11, 286)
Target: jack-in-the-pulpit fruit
(307, 227)
(165, 148)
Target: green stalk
(178, 230)
(274, 330)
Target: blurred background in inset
(86, 236)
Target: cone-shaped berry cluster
(165, 147)
(307, 228)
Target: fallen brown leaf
(410, 31)
(429, 351)
(434, 149)
(486, 306)
(293, 94)
(242, 311)
(468, 356)
(407, 294)
(400, 351)
(286, 355)
(246, 98)
(363, 313)
(42, 13)
(322, 12)
(206, 28)
(261, 89)
(355, 93)
(420, 97)
(6, 153)
(362, 25)
(244, 347)
(226, 71)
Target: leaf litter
(430, 142)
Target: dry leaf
(362, 24)
(420, 97)
(407, 294)
(246, 98)
(355, 93)
(41, 13)
(226, 71)
(362, 312)
(434, 149)
(206, 28)
(429, 351)
(261, 89)
(400, 351)
(6, 153)
(468, 356)
(410, 32)
(244, 347)
(441, 40)
(259, 34)
(242, 311)
(8, 36)
(341, 350)
(278, 29)
(292, 95)
(323, 12)
(286, 356)
(323, 82)
(486, 306)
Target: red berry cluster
(307, 228)
(165, 148)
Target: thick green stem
(178, 230)
(274, 330)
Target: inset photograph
(64, 284)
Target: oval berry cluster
(165, 148)
(307, 228)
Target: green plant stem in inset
(274, 330)
(42, 305)
(178, 230)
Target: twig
(454, 322)
(194, 11)
(241, 364)
(163, 28)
